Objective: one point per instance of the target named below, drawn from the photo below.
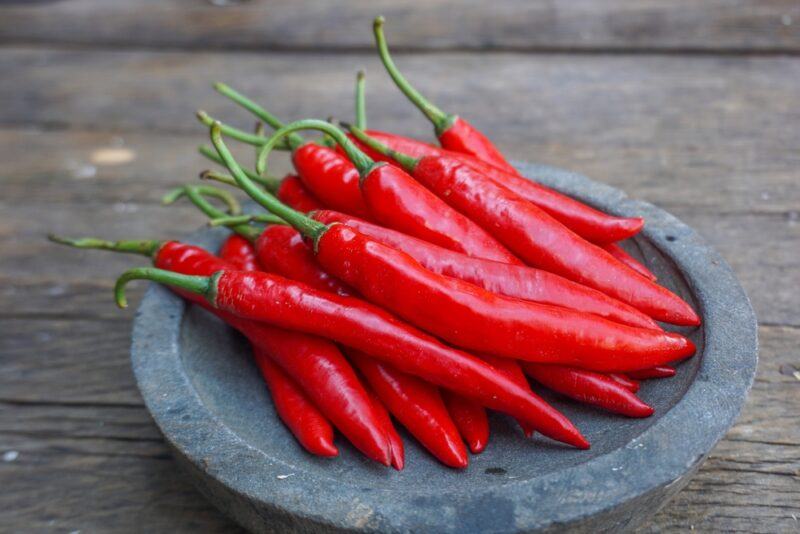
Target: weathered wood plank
(718, 25)
(670, 130)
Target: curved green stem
(197, 191)
(200, 285)
(270, 183)
(441, 120)
(144, 247)
(236, 220)
(361, 101)
(293, 140)
(406, 161)
(361, 161)
(230, 131)
(305, 225)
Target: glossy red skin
(357, 324)
(660, 371)
(396, 442)
(330, 177)
(398, 201)
(417, 405)
(464, 138)
(315, 364)
(513, 371)
(297, 412)
(472, 318)
(470, 419)
(281, 250)
(541, 241)
(618, 252)
(628, 383)
(518, 281)
(294, 194)
(589, 388)
(239, 252)
(591, 224)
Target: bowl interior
(218, 363)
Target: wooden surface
(690, 105)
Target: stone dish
(207, 398)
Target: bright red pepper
(591, 224)
(470, 418)
(462, 313)
(618, 252)
(660, 371)
(512, 370)
(453, 132)
(396, 442)
(297, 412)
(269, 298)
(417, 405)
(293, 193)
(540, 240)
(589, 388)
(517, 281)
(314, 363)
(629, 383)
(239, 252)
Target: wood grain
(561, 25)
(712, 137)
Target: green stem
(230, 131)
(406, 161)
(441, 120)
(236, 220)
(144, 247)
(200, 285)
(270, 183)
(197, 191)
(195, 194)
(294, 140)
(305, 225)
(361, 161)
(361, 101)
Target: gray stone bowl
(206, 396)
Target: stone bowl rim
(560, 497)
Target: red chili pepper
(628, 383)
(293, 193)
(518, 281)
(539, 239)
(281, 250)
(239, 252)
(315, 364)
(470, 418)
(269, 298)
(453, 132)
(297, 412)
(589, 223)
(660, 371)
(618, 252)
(462, 313)
(590, 388)
(417, 405)
(398, 450)
(512, 370)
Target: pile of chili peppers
(390, 281)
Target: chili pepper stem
(200, 285)
(305, 225)
(294, 140)
(270, 183)
(361, 103)
(407, 162)
(197, 191)
(230, 131)
(144, 247)
(441, 120)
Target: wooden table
(694, 106)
